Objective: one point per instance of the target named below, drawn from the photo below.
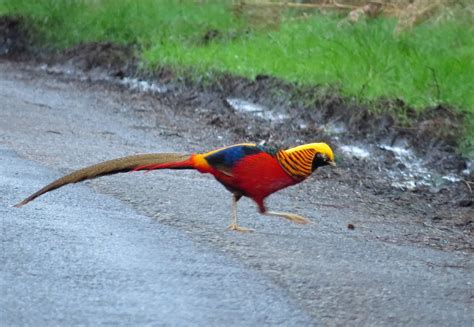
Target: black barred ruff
(297, 164)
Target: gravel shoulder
(139, 245)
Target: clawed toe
(239, 228)
(290, 216)
(298, 219)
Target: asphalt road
(151, 249)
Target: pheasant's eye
(321, 156)
(320, 159)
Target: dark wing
(225, 159)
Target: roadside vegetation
(423, 60)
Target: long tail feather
(120, 165)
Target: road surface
(152, 249)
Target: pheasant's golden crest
(299, 161)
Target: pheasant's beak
(332, 163)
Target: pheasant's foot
(298, 219)
(290, 216)
(239, 228)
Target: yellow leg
(290, 216)
(233, 225)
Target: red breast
(257, 176)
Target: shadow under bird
(244, 169)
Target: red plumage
(256, 176)
(244, 170)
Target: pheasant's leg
(234, 225)
(290, 216)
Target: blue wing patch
(226, 158)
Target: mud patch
(414, 168)
(118, 60)
(14, 38)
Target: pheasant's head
(304, 159)
(324, 155)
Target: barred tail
(120, 165)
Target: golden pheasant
(244, 169)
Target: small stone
(350, 226)
(465, 203)
(401, 166)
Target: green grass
(429, 65)
(65, 23)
